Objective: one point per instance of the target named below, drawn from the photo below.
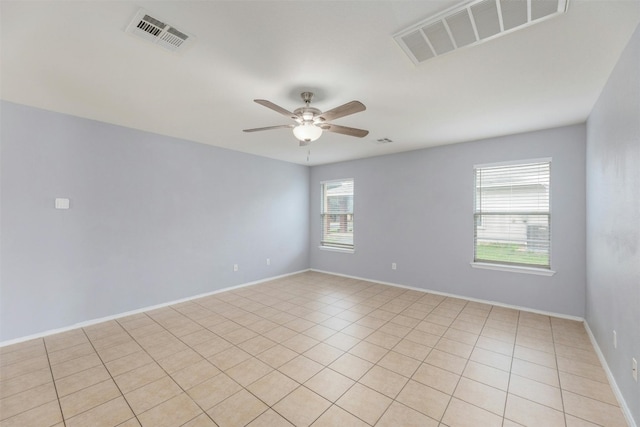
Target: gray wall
(152, 219)
(613, 221)
(416, 209)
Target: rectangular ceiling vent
(471, 23)
(156, 31)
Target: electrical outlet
(615, 339)
(268, 261)
(393, 266)
(235, 267)
(634, 368)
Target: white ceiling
(74, 57)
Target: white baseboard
(139, 310)
(612, 381)
(446, 294)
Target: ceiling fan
(311, 121)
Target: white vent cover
(158, 32)
(471, 23)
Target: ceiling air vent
(471, 23)
(156, 31)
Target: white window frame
(517, 268)
(335, 247)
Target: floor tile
(384, 381)
(273, 387)
(398, 414)
(535, 391)
(146, 397)
(412, 349)
(588, 388)
(495, 345)
(329, 384)
(351, 366)
(127, 363)
(74, 366)
(195, 374)
(302, 406)
(342, 341)
(70, 353)
(26, 400)
(491, 358)
(481, 395)
(88, 398)
(424, 399)
(300, 368)
(368, 351)
(383, 339)
(202, 420)
(323, 353)
(462, 414)
(213, 391)
(535, 356)
(454, 347)
(529, 413)
(582, 369)
(111, 413)
(461, 336)
(336, 416)
(300, 343)
(270, 418)
(237, 410)
(593, 410)
(277, 356)
(487, 375)
(47, 414)
(136, 378)
(535, 372)
(364, 403)
(25, 382)
(399, 363)
(174, 412)
(437, 378)
(180, 360)
(257, 345)
(229, 358)
(446, 361)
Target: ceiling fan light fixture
(307, 132)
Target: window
(512, 220)
(337, 214)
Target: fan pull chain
(308, 155)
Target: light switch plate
(62, 203)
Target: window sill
(513, 268)
(330, 249)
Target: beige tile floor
(312, 349)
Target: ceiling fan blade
(360, 133)
(343, 110)
(269, 128)
(276, 108)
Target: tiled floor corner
(312, 349)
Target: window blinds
(337, 214)
(512, 221)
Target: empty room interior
(320, 213)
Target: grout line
(112, 379)
(53, 380)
